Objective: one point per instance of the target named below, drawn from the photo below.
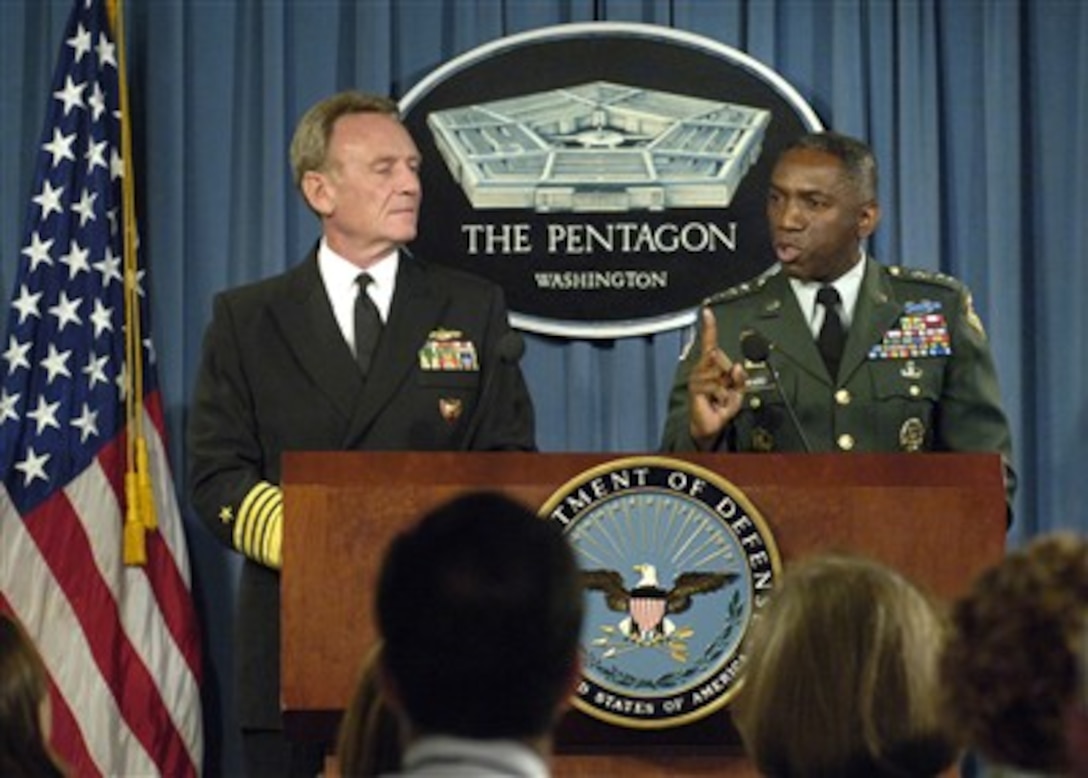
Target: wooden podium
(938, 518)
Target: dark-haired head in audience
(842, 676)
(1010, 668)
(25, 718)
(480, 610)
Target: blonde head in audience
(842, 676)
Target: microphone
(756, 348)
(508, 351)
(511, 347)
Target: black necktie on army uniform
(832, 335)
(368, 325)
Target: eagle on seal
(648, 603)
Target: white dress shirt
(338, 275)
(848, 285)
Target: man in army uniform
(871, 358)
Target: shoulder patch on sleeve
(973, 318)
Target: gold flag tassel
(139, 497)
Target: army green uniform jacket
(916, 372)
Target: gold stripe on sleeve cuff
(258, 530)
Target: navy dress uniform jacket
(916, 372)
(277, 375)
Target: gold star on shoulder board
(226, 514)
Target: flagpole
(140, 504)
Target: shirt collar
(447, 755)
(338, 275)
(848, 286)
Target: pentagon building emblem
(600, 146)
(676, 563)
(607, 175)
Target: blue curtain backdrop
(978, 112)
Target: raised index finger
(709, 331)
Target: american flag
(114, 622)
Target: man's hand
(715, 387)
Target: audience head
(842, 676)
(1010, 668)
(369, 741)
(480, 610)
(24, 705)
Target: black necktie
(832, 335)
(368, 324)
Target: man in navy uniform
(359, 347)
(868, 357)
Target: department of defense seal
(676, 563)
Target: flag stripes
(62, 551)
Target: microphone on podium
(757, 349)
(508, 351)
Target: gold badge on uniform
(450, 408)
(762, 439)
(912, 435)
